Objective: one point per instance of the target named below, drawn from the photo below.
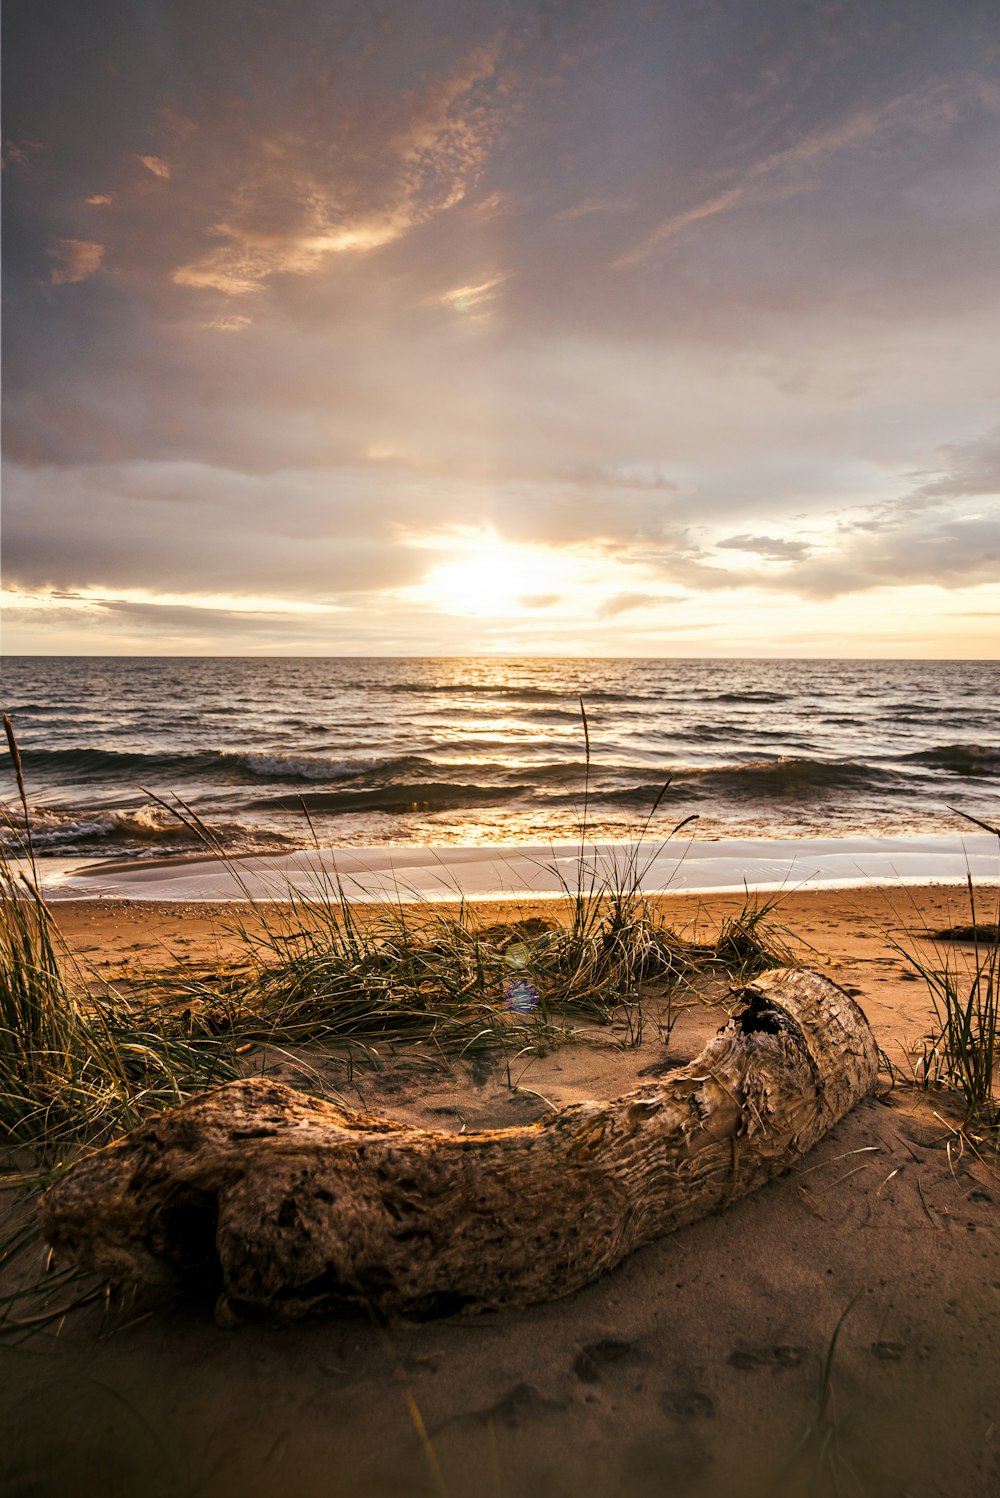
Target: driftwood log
(289, 1204)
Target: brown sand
(695, 1369)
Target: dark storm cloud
(287, 286)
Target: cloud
(20, 152)
(278, 374)
(156, 165)
(98, 200)
(540, 600)
(299, 535)
(969, 468)
(494, 205)
(633, 475)
(589, 205)
(676, 223)
(298, 206)
(626, 603)
(951, 553)
(931, 106)
(79, 259)
(476, 298)
(774, 548)
(98, 597)
(229, 322)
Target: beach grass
(962, 975)
(960, 966)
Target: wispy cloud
(677, 222)
(627, 603)
(156, 165)
(476, 298)
(97, 597)
(77, 259)
(20, 152)
(229, 322)
(930, 107)
(774, 548)
(292, 212)
(595, 205)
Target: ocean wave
(303, 725)
(415, 796)
(48, 708)
(749, 697)
(277, 765)
(575, 773)
(566, 785)
(487, 748)
(777, 779)
(787, 777)
(958, 759)
(140, 831)
(131, 767)
(495, 689)
(117, 764)
(64, 831)
(420, 770)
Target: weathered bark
(291, 1204)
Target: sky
(360, 327)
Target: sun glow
(491, 578)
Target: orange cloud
(80, 258)
(99, 199)
(156, 165)
(475, 298)
(289, 220)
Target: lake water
(490, 751)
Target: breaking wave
(140, 831)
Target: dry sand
(694, 1369)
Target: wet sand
(693, 1369)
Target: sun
(490, 578)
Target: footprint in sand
(783, 1356)
(591, 1360)
(889, 1352)
(688, 1404)
(522, 1402)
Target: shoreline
(405, 873)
